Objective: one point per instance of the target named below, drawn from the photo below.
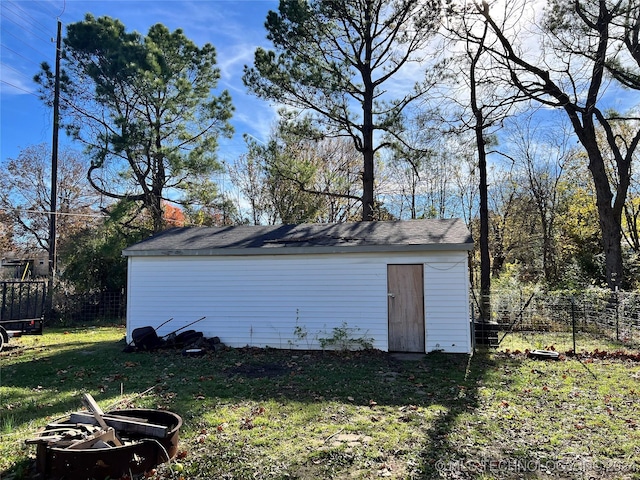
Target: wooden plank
(122, 423)
(97, 412)
(107, 435)
(59, 432)
(95, 409)
(47, 439)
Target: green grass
(564, 342)
(278, 414)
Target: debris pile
(100, 445)
(191, 342)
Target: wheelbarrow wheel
(4, 338)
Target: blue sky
(27, 33)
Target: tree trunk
(368, 212)
(479, 126)
(611, 240)
(609, 209)
(156, 213)
(548, 255)
(368, 152)
(610, 229)
(485, 259)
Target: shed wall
(447, 305)
(264, 300)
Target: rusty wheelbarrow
(146, 338)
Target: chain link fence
(578, 321)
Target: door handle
(391, 295)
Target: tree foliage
(144, 109)
(335, 59)
(93, 261)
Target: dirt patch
(261, 370)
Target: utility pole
(54, 175)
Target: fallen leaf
(246, 424)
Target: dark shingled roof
(412, 235)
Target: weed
(300, 332)
(7, 424)
(344, 338)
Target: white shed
(398, 286)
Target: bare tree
(581, 41)
(248, 175)
(293, 179)
(488, 102)
(6, 233)
(541, 154)
(25, 195)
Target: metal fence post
(573, 322)
(4, 299)
(617, 300)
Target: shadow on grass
(449, 449)
(375, 385)
(47, 380)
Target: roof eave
(298, 250)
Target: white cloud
(16, 83)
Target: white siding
(447, 304)
(260, 300)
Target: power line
(47, 41)
(19, 54)
(45, 212)
(33, 21)
(4, 65)
(54, 14)
(19, 88)
(26, 44)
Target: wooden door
(405, 287)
